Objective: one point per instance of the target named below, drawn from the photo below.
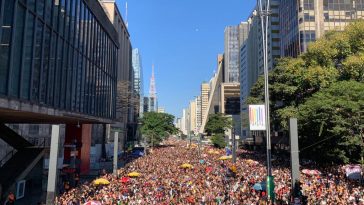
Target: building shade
(58, 53)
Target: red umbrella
(92, 203)
(125, 179)
(208, 169)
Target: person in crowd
(164, 182)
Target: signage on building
(257, 117)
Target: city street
(175, 174)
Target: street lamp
(264, 18)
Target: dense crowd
(210, 181)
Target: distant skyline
(182, 38)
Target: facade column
(116, 146)
(52, 170)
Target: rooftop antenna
(126, 14)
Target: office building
(198, 112)
(126, 108)
(138, 80)
(184, 122)
(205, 90)
(304, 21)
(192, 116)
(58, 65)
(234, 38)
(251, 55)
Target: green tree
(294, 82)
(157, 126)
(334, 119)
(216, 126)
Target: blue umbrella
(259, 186)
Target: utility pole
(234, 144)
(264, 14)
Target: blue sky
(182, 38)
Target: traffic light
(270, 187)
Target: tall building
(192, 112)
(58, 65)
(153, 101)
(251, 55)
(303, 21)
(234, 37)
(126, 108)
(198, 112)
(146, 104)
(138, 79)
(205, 90)
(184, 122)
(161, 110)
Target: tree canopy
(157, 126)
(216, 126)
(300, 87)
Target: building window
(33, 129)
(6, 33)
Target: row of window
(56, 53)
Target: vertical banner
(257, 117)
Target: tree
(335, 58)
(335, 117)
(157, 126)
(216, 125)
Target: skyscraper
(138, 79)
(303, 21)
(198, 112)
(234, 38)
(153, 103)
(205, 89)
(192, 112)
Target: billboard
(257, 117)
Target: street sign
(257, 117)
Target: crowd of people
(163, 181)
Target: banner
(257, 117)
(353, 171)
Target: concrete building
(205, 90)
(303, 21)
(251, 56)
(58, 65)
(192, 116)
(198, 112)
(126, 104)
(184, 122)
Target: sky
(182, 38)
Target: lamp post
(264, 18)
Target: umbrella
(92, 203)
(134, 174)
(311, 172)
(125, 179)
(225, 157)
(101, 181)
(259, 186)
(250, 161)
(185, 165)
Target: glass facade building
(304, 21)
(60, 54)
(138, 78)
